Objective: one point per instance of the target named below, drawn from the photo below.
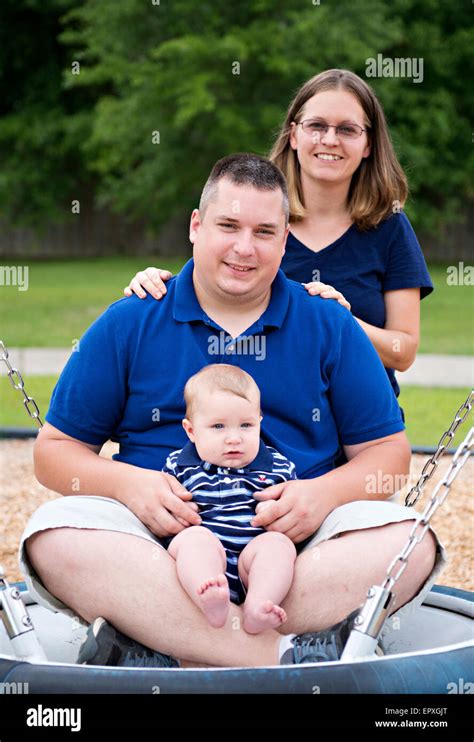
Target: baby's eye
(218, 426)
(247, 425)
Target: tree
(41, 126)
(165, 89)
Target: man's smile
(239, 268)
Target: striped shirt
(226, 498)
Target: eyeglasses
(317, 128)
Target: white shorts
(102, 513)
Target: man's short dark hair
(245, 168)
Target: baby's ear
(187, 425)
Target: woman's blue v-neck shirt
(363, 266)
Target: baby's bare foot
(262, 615)
(214, 600)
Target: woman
(349, 239)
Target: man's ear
(187, 425)
(284, 241)
(194, 225)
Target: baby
(224, 463)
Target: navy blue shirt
(320, 377)
(363, 266)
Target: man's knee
(427, 553)
(423, 557)
(49, 547)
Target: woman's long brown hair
(379, 186)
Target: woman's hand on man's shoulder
(325, 291)
(151, 281)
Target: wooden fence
(100, 233)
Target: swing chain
(459, 459)
(432, 463)
(17, 382)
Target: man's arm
(72, 467)
(374, 471)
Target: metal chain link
(18, 383)
(459, 459)
(432, 463)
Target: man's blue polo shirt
(320, 378)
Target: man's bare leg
(133, 584)
(122, 591)
(331, 580)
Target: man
(96, 551)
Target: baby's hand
(192, 505)
(262, 505)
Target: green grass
(12, 412)
(447, 324)
(428, 411)
(65, 297)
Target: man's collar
(190, 457)
(187, 308)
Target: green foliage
(40, 126)
(168, 71)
